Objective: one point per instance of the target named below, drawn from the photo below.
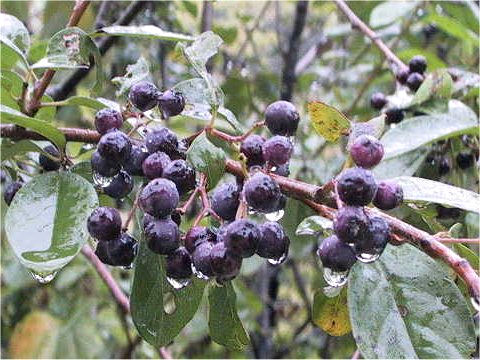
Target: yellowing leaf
(331, 313)
(328, 121)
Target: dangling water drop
(275, 216)
(475, 303)
(279, 260)
(43, 278)
(251, 211)
(128, 267)
(367, 258)
(178, 284)
(101, 181)
(199, 274)
(335, 278)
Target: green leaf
(328, 121)
(419, 189)
(404, 164)
(453, 28)
(97, 104)
(10, 53)
(227, 33)
(15, 40)
(437, 84)
(41, 127)
(149, 290)
(434, 62)
(206, 158)
(83, 169)
(52, 209)
(331, 313)
(142, 31)
(71, 48)
(416, 132)
(135, 73)
(405, 306)
(314, 225)
(224, 325)
(389, 11)
(10, 148)
(464, 79)
(191, 7)
(373, 127)
(467, 254)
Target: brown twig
(235, 139)
(449, 240)
(206, 208)
(188, 203)
(132, 211)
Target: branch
(396, 65)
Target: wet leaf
(314, 225)
(142, 31)
(389, 11)
(331, 313)
(10, 148)
(453, 27)
(135, 72)
(97, 104)
(437, 84)
(14, 40)
(328, 121)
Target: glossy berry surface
(225, 200)
(201, 258)
(376, 242)
(143, 95)
(414, 81)
(366, 151)
(277, 150)
(262, 193)
(225, 263)
(273, 242)
(241, 236)
(282, 118)
(122, 250)
(181, 174)
(465, 160)
(378, 100)
(351, 224)
(154, 165)
(45, 162)
(162, 140)
(171, 103)
(251, 147)
(197, 235)
(356, 186)
(159, 198)
(10, 191)
(417, 64)
(389, 195)
(162, 236)
(176, 217)
(104, 223)
(444, 166)
(120, 186)
(104, 167)
(115, 146)
(108, 119)
(335, 254)
(102, 253)
(394, 115)
(179, 264)
(282, 170)
(133, 164)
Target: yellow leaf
(331, 314)
(328, 121)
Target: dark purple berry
(273, 243)
(375, 243)
(351, 224)
(262, 193)
(159, 198)
(252, 149)
(179, 264)
(162, 236)
(282, 170)
(402, 76)
(414, 81)
(10, 191)
(389, 195)
(143, 95)
(45, 162)
(366, 151)
(104, 223)
(147, 219)
(465, 160)
(103, 166)
(115, 146)
(120, 186)
(198, 235)
(336, 255)
(277, 150)
(443, 166)
(102, 253)
(181, 174)
(241, 236)
(356, 186)
(448, 213)
(108, 119)
(394, 115)
(429, 31)
(155, 164)
(122, 250)
(378, 100)
(176, 217)
(225, 263)
(281, 118)
(133, 164)
(162, 140)
(418, 64)
(201, 258)
(171, 103)
(225, 200)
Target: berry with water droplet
(159, 198)
(273, 242)
(225, 263)
(389, 195)
(251, 147)
(104, 223)
(108, 119)
(241, 236)
(282, 118)
(171, 102)
(198, 235)
(162, 140)
(366, 151)
(179, 264)
(120, 186)
(356, 186)
(277, 150)
(351, 224)
(45, 162)
(115, 146)
(134, 162)
(201, 258)
(417, 64)
(465, 160)
(155, 164)
(414, 81)
(10, 191)
(162, 236)
(282, 170)
(335, 254)
(103, 166)
(122, 250)
(262, 193)
(181, 174)
(378, 100)
(144, 95)
(225, 201)
(375, 243)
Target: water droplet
(335, 278)
(101, 181)
(275, 216)
(43, 278)
(128, 267)
(367, 258)
(178, 284)
(251, 211)
(87, 147)
(198, 273)
(279, 260)
(273, 168)
(151, 332)
(475, 303)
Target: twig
(449, 240)
(301, 287)
(188, 203)
(132, 210)
(356, 355)
(206, 208)
(235, 139)
(311, 54)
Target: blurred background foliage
(76, 315)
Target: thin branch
(313, 53)
(449, 240)
(356, 355)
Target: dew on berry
(101, 181)
(367, 258)
(335, 278)
(178, 284)
(275, 216)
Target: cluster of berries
(357, 234)
(412, 77)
